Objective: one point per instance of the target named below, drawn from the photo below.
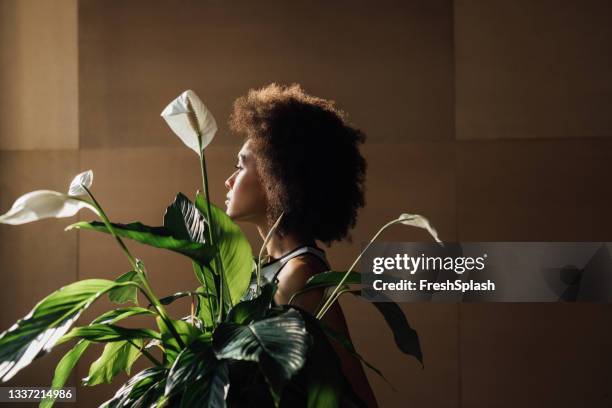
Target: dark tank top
(271, 269)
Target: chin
(231, 213)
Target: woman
(300, 159)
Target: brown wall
(491, 118)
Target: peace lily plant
(231, 344)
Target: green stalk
(211, 230)
(211, 237)
(139, 268)
(334, 295)
(268, 237)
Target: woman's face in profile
(246, 199)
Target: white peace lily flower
(417, 220)
(83, 179)
(187, 116)
(41, 204)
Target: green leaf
(126, 293)
(186, 331)
(235, 251)
(108, 333)
(116, 357)
(70, 359)
(115, 315)
(211, 391)
(64, 368)
(207, 307)
(202, 304)
(198, 377)
(142, 390)
(204, 276)
(406, 338)
(279, 344)
(250, 310)
(184, 221)
(332, 278)
(158, 237)
(37, 333)
(328, 278)
(166, 300)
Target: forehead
(245, 150)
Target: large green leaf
(184, 221)
(328, 278)
(186, 331)
(70, 359)
(159, 237)
(211, 391)
(254, 309)
(235, 250)
(333, 278)
(279, 344)
(166, 300)
(207, 307)
(115, 315)
(406, 338)
(64, 368)
(116, 357)
(108, 333)
(142, 390)
(198, 377)
(51, 318)
(125, 293)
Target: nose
(229, 183)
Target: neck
(278, 245)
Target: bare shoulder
(294, 275)
(305, 264)
(298, 270)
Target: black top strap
(279, 264)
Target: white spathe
(83, 179)
(419, 221)
(187, 116)
(41, 204)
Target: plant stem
(211, 232)
(139, 268)
(334, 295)
(268, 236)
(146, 353)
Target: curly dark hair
(308, 158)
